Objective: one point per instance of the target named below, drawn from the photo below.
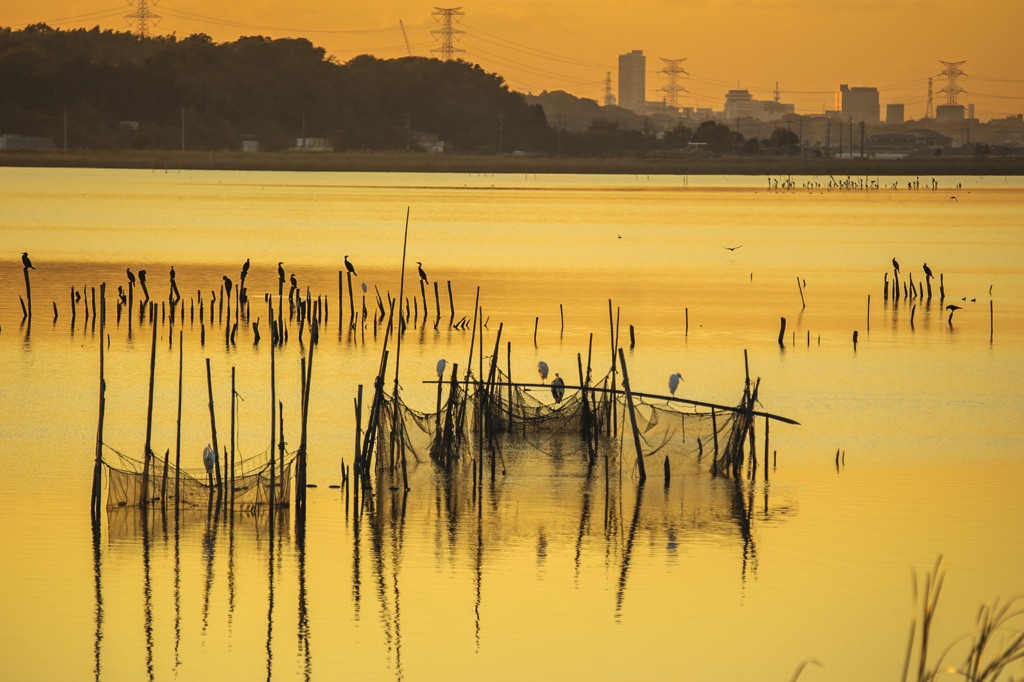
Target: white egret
(441, 364)
(557, 388)
(363, 285)
(673, 382)
(209, 458)
(542, 369)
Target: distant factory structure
(859, 104)
(741, 104)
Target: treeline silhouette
(116, 90)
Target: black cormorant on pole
(927, 271)
(131, 277)
(227, 285)
(280, 272)
(142, 282)
(350, 267)
(423, 275)
(245, 269)
(896, 265)
(25, 261)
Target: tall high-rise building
(894, 114)
(632, 81)
(858, 104)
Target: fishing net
(501, 418)
(129, 483)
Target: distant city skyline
(807, 48)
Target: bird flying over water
(732, 248)
(896, 265)
(673, 382)
(25, 261)
(557, 388)
(351, 268)
(423, 275)
(542, 369)
(927, 271)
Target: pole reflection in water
(147, 591)
(627, 553)
(303, 617)
(97, 567)
(270, 593)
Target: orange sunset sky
(808, 47)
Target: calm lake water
(546, 573)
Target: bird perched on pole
(25, 261)
(441, 364)
(673, 382)
(131, 277)
(542, 369)
(927, 271)
(896, 265)
(423, 275)
(351, 268)
(280, 272)
(557, 388)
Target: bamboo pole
(234, 407)
(437, 306)
(213, 424)
(632, 418)
(799, 286)
(869, 312)
(782, 332)
(273, 408)
(398, 356)
(28, 294)
(97, 472)
(351, 301)
(177, 437)
(149, 426)
(451, 305)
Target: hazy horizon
(807, 48)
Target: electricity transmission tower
(447, 32)
(673, 67)
(142, 16)
(929, 110)
(609, 98)
(952, 72)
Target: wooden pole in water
(351, 301)
(869, 312)
(234, 403)
(686, 331)
(398, 353)
(213, 424)
(632, 417)
(632, 338)
(801, 288)
(341, 300)
(177, 437)
(782, 331)
(359, 425)
(991, 320)
(97, 471)
(437, 306)
(144, 500)
(509, 356)
(451, 305)
(536, 322)
(423, 295)
(714, 430)
(561, 317)
(273, 408)
(28, 293)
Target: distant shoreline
(406, 162)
